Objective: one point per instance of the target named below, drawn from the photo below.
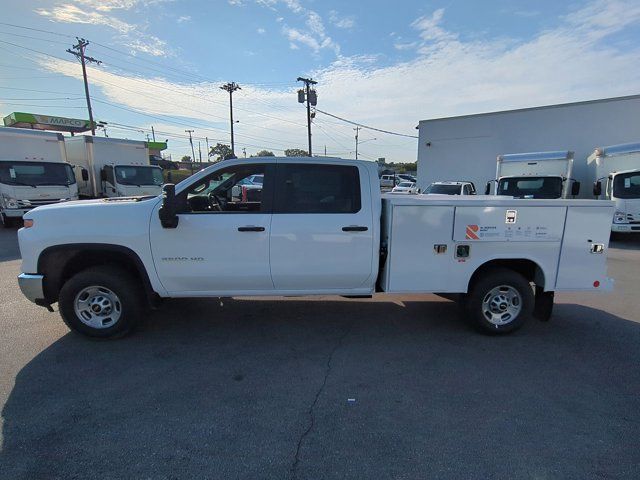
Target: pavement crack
(310, 411)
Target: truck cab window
(108, 175)
(308, 188)
(235, 189)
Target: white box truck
(319, 227)
(117, 167)
(535, 175)
(33, 172)
(616, 174)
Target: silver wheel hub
(97, 307)
(502, 305)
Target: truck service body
(117, 167)
(616, 174)
(320, 227)
(33, 172)
(536, 175)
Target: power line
(366, 126)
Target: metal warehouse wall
(466, 147)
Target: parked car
(389, 181)
(405, 177)
(407, 188)
(451, 188)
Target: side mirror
(167, 213)
(84, 174)
(487, 188)
(597, 189)
(575, 188)
(103, 175)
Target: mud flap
(543, 307)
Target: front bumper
(625, 227)
(15, 212)
(31, 287)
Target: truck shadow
(227, 390)
(9, 249)
(629, 241)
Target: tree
(221, 151)
(295, 152)
(264, 153)
(186, 158)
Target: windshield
(444, 189)
(36, 173)
(528, 187)
(626, 185)
(138, 175)
(257, 179)
(405, 184)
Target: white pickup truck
(319, 227)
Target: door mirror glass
(487, 188)
(597, 188)
(575, 188)
(85, 174)
(168, 211)
(103, 175)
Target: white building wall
(466, 147)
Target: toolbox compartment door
(583, 258)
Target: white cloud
(184, 18)
(99, 12)
(261, 30)
(345, 22)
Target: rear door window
(317, 188)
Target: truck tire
(101, 302)
(500, 301)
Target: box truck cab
(535, 175)
(117, 167)
(33, 172)
(616, 174)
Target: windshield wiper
(15, 182)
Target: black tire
(127, 301)
(481, 290)
(6, 221)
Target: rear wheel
(500, 301)
(101, 302)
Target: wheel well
(525, 267)
(59, 264)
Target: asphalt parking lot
(395, 387)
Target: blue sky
(383, 64)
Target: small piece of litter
(351, 400)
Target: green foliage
(186, 158)
(403, 167)
(220, 151)
(175, 176)
(295, 152)
(264, 153)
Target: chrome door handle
(354, 228)
(251, 228)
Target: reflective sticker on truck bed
(471, 232)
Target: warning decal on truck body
(498, 224)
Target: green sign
(46, 122)
(157, 145)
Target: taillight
(596, 284)
(28, 223)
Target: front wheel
(101, 302)
(500, 301)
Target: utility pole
(193, 158)
(231, 87)
(153, 133)
(199, 152)
(244, 151)
(357, 129)
(78, 51)
(312, 99)
(208, 156)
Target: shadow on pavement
(627, 241)
(9, 244)
(233, 391)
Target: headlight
(10, 202)
(619, 217)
